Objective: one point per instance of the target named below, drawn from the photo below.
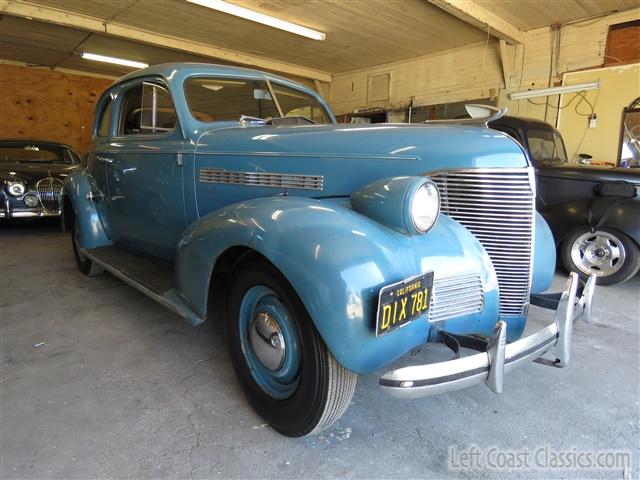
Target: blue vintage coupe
(335, 249)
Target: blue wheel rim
(282, 382)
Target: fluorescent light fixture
(254, 16)
(117, 61)
(545, 92)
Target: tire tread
(342, 385)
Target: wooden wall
(48, 105)
(475, 71)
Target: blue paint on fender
(76, 187)
(337, 260)
(544, 257)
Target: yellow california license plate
(402, 302)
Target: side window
(147, 109)
(104, 122)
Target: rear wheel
(608, 254)
(85, 265)
(285, 369)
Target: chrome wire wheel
(599, 253)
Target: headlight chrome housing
(16, 189)
(409, 205)
(424, 206)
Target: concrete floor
(122, 388)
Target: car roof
(522, 122)
(167, 70)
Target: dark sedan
(593, 212)
(31, 175)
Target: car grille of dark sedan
(49, 190)
(498, 207)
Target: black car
(31, 175)
(593, 212)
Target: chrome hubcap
(599, 253)
(267, 341)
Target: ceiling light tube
(254, 16)
(114, 60)
(545, 92)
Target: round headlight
(425, 206)
(30, 200)
(15, 188)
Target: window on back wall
(378, 87)
(623, 44)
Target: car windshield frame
(64, 155)
(548, 136)
(270, 95)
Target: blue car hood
(351, 156)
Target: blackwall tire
(86, 266)
(299, 389)
(607, 253)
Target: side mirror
(84, 160)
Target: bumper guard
(497, 357)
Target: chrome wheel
(599, 253)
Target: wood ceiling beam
(472, 13)
(65, 18)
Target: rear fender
(337, 260)
(76, 189)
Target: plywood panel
(623, 44)
(46, 105)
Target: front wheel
(608, 254)
(285, 369)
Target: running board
(153, 277)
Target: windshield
(213, 99)
(36, 153)
(546, 147)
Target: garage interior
(98, 381)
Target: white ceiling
(360, 33)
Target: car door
(145, 173)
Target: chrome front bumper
(499, 357)
(24, 212)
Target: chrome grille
(455, 296)
(498, 207)
(261, 179)
(49, 193)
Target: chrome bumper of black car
(8, 211)
(498, 357)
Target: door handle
(94, 197)
(104, 159)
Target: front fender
(76, 188)
(544, 257)
(337, 260)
